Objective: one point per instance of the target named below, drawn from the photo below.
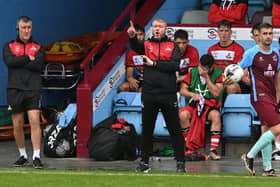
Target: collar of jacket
(20, 41)
(164, 39)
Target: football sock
(265, 139)
(266, 157)
(36, 153)
(22, 152)
(215, 139)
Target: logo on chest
(184, 63)
(33, 48)
(17, 49)
(168, 48)
(223, 55)
(269, 72)
(150, 48)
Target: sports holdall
(112, 139)
(61, 139)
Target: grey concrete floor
(9, 153)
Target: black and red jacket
(232, 10)
(23, 74)
(161, 78)
(276, 13)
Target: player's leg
(215, 117)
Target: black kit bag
(61, 142)
(112, 139)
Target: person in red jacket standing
(232, 10)
(25, 61)
(276, 13)
(161, 57)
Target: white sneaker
(276, 154)
(270, 173)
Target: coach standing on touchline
(25, 59)
(162, 58)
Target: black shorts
(23, 100)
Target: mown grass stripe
(126, 174)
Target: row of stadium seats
(257, 5)
(201, 17)
(258, 11)
(238, 115)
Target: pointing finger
(131, 23)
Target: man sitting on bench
(204, 86)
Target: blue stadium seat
(254, 6)
(237, 124)
(127, 105)
(195, 17)
(261, 17)
(238, 116)
(133, 117)
(239, 103)
(127, 101)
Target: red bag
(196, 135)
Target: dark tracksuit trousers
(169, 107)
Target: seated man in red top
(227, 52)
(204, 86)
(190, 57)
(134, 66)
(232, 10)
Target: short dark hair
(255, 27)
(207, 60)
(139, 28)
(265, 25)
(25, 19)
(224, 23)
(181, 34)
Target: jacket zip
(158, 51)
(24, 48)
